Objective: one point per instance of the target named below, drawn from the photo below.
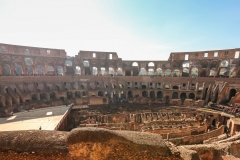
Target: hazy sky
(135, 29)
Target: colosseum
(97, 106)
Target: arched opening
(82, 86)
(194, 72)
(203, 73)
(214, 122)
(78, 70)
(159, 72)
(77, 94)
(34, 97)
(111, 71)
(7, 69)
(191, 96)
(167, 98)
(119, 72)
(175, 95)
(103, 71)
(30, 69)
(40, 70)
(87, 68)
(84, 93)
(185, 64)
(232, 93)
(185, 72)
(50, 69)
(152, 94)
(28, 61)
(183, 96)
(176, 73)
(142, 72)
(127, 72)
(59, 70)
(151, 64)
(130, 94)
(68, 63)
(150, 72)
(135, 69)
(52, 95)
(175, 87)
(145, 94)
(69, 95)
(224, 63)
(204, 64)
(100, 93)
(144, 86)
(159, 94)
(168, 72)
(18, 69)
(42, 96)
(94, 71)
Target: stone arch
(29, 69)
(94, 71)
(175, 87)
(167, 72)
(142, 72)
(204, 64)
(175, 95)
(130, 95)
(40, 69)
(176, 73)
(100, 93)
(150, 71)
(103, 71)
(203, 73)
(111, 71)
(77, 94)
(152, 94)
(135, 69)
(59, 70)
(28, 61)
(50, 69)
(77, 70)
(119, 72)
(213, 64)
(183, 96)
(18, 69)
(185, 72)
(159, 72)
(7, 69)
(185, 64)
(194, 72)
(224, 63)
(145, 94)
(68, 63)
(86, 64)
(151, 64)
(87, 69)
(191, 96)
(159, 94)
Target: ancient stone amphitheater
(184, 108)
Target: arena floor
(47, 118)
